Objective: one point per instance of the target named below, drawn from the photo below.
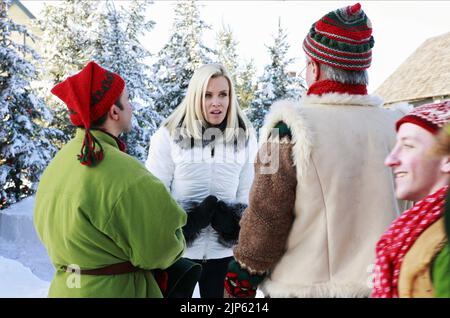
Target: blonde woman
(204, 154)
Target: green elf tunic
(92, 217)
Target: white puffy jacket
(193, 174)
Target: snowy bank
(17, 280)
(16, 222)
(24, 264)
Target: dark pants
(211, 281)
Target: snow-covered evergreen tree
(227, 51)
(25, 147)
(66, 46)
(276, 82)
(117, 48)
(246, 86)
(179, 58)
(242, 74)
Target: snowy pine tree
(66, 47)
(117, 48)
(246, 86)
(276, 83)
(179, 58)
(25, 147)
(242, 74)
(227, 51)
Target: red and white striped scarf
(398, 239)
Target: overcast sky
(399, 27)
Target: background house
(19, 13)
(423, 78)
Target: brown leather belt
(115, 269)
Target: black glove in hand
(205, 211)
(198, 217)
(224, 220)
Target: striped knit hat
(342, 39)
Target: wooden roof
(424, 74)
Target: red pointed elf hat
(88, 95)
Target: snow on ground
(25, 268)
(30, 255)
(17, 281)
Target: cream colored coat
(345, 195)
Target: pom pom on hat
(342, 39)
(352, 10)
(88, 95)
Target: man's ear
(114, 112)
(316, 70)
(445, 166)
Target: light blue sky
(399, 27)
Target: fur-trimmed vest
(345, 195)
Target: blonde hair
(187, 114)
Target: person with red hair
(411, 249)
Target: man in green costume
(105, 220)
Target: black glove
(226, 219)
(205, 211)
(199, 216)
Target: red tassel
(88, 155)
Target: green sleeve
(146, 222)
(441, 273)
